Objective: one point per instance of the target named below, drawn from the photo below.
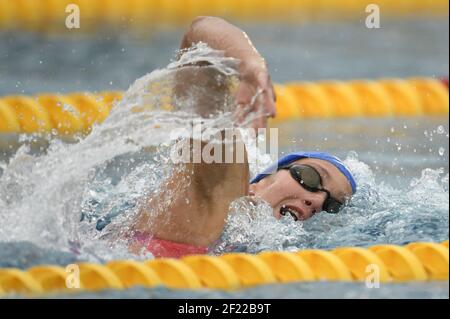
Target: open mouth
(284, 210)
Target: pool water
(62, 201)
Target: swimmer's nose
(314, 204)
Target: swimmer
(299, 185)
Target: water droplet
(352, 155)
(441, 151)
(440, 129)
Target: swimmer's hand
(255, 95)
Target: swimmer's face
(281, 190)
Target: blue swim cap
(292, 157)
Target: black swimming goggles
(309, 178)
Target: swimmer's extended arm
(199, 196)
(254, 75)
(192, 206)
